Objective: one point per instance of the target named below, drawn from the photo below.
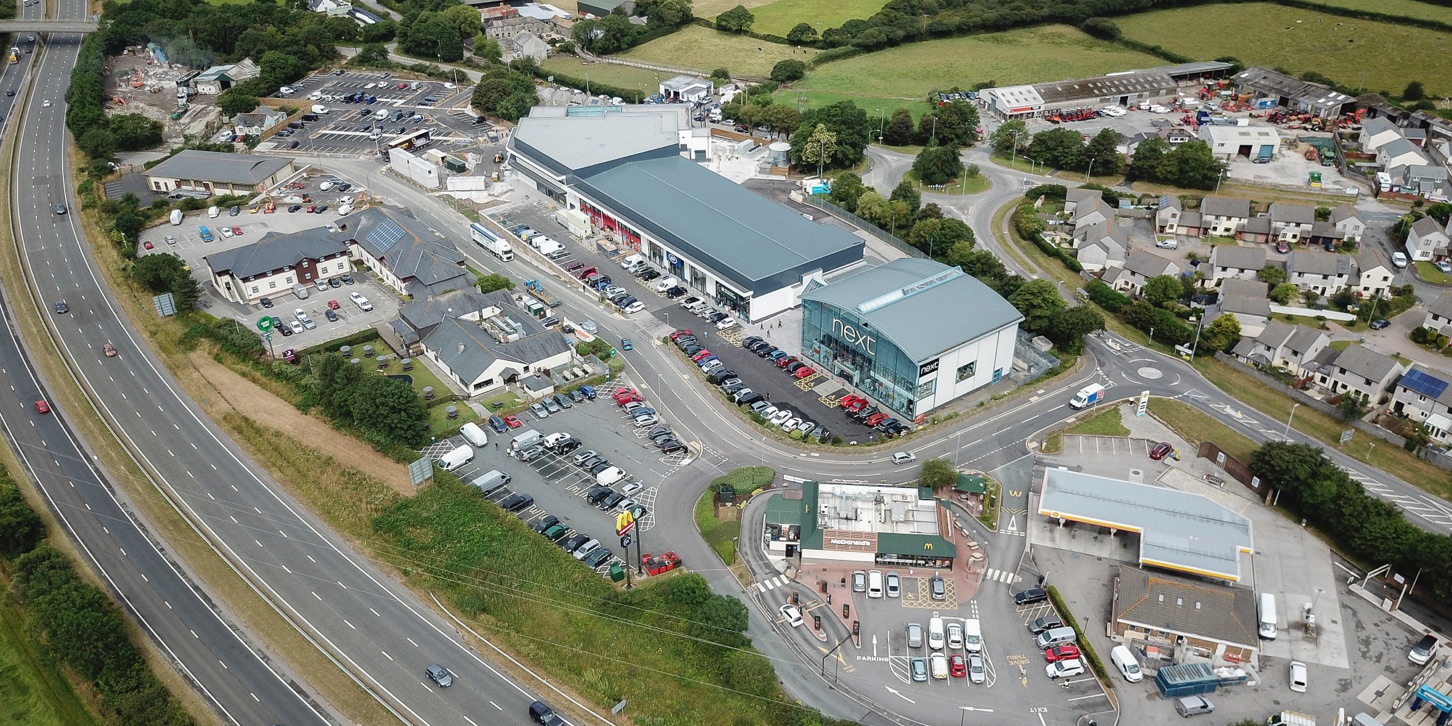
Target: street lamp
(1196, 345)
(1287, 435)
(957, 444)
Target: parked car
(1061, 652)
(1030, 596)
(1161, 450)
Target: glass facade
(847, 347)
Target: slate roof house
(405, 254)
(1246, 300)
(1291, 223)
(1231, 261)
(1323, 272)
(1348, 221)
(1439, 314)
(1426, 240)
(1139, 267)
(1424, 395)
(1223, 216)
(1357, 371)
(1282, 346)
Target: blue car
(498, 424)
(589, 392)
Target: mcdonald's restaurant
(868, 524)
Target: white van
(631, 261)
(1055, 636)
(1267, 616)
(874, 583)
(935, 633)
(610, 476)
(214, 211)
(490, 481)
(474, 435)
(1124, 660)
(301, 291)
(456, 458)
(319, 109)
(972, 635)
(176, 216)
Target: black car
(266, 302)
(568, 445)
(657, 431)
(649, 275)
(597, 494)
(600, 466)
(516, 502)
(574, 542)
(330, 315)
(672, 447)
(1047, 622)
(545, 523)
(749, 341)
(731, 387)
(294, 208)
(1030, 596)
(609, 502)
(576, 396)
(750, 399)
(600, 556)
(668, 442)
(590, 462)
(61, 308)
(675, 292)
(333, 283)
(346, 278)
(541, 713)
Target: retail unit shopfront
(879, 525)
(912, 334)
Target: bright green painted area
(610, 73)
(907, 73)
(780, 17)
(34, 693)
(704, 49)
(1404, 8)
(1354, 53)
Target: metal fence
(1036, 361)
(863, 225)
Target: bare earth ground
(268, 410)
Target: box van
(456, 458)
(1124, 660)
(474, 435)
(301, 291)
(874, 583)
(610, 476)
(1423, 650)
(1093, 393)
(972, 635)
(214, 211)
(1055, 636)
(935, 633)
(490, 482)
(1267, 616)
(176, 216)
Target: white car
(360, 301)
(45, 103)
(792, 615)
(1062, 668)
(726, 323)
(588, 326)
(450, 86)
(1298, 676)
(226, 231)
(1399, 259)
(791, 424)
(635, 307)
(1114, 111)
(286, 90)
(301, 315)
(1159, 109)
(780, 417)
(295, 326)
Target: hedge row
(1085, 646)
(599, 89)
(76, 623)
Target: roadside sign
(626, 541)
(1346, 435)
(624, 522)
(1143, 403)
(265, 323)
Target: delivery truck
(1290, 718)
(1087, 396)
(492, 242)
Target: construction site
(140, 80)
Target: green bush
(1107, 297)
(1085, 646)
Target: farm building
(1250, 142)
(1115, 89)
(1297, 95)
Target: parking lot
(353, 127)
(559, 487)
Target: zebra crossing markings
(1003, 576)
(771, 584)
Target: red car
(627, 395)
(312, 208)
(680, 334)
(42, 407)
(956, 667)
(804, 371)
(875, 419)
(1066, 651)
(847, 401)
(512, 422)
(237, 231)
(333, 304)
(786, 361)
(403, 86)
(1161, 450)
(699, 356)
(147, 245)
(857, 405)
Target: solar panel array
(1421, 382)
(386, 235)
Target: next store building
(911, 334)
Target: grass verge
(722, 534)
(1085, 646)
(1108, 423)
(959, 186)
(1429, 272)
(36, 693)
(612, 74)
(992, 491)
(1197, 428)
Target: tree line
(77, 624)
(1190, 165)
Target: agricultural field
(905, 75)
(1355, 53)
(1403, 8)
(611, 73)
(778, 18)
(709, 9)
(702, 48)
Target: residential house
(269, 267)
(1325, 235)
(1348, 221)
(1223, 216)
(1139, 267)
(1167, 217)
(1246, 301)
(1291, 223)
(1191, 224)
(1092, 211)
(1439, 314)
(1399, 153)
(1424, 395)
(1426, 180)
(504, 22)
(1256, 230)
(1282, 346)
(1426, 240)
(527, 45)
(1232, 261)
(405, 254)
(1074, 196)
(1324, 272)
(1373, 275)
(331, 8)
(1378, 132)
(1356, 371)
(1101, 245)
(258, 121)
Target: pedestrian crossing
(771, 584)
(1003, 576)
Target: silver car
(550, 404)
(894, 584)
(539, 410)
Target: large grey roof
(1148, 264)
(1365, 363)
(1176, 605)
(1318, 262)
(1257, 225)
(276, 251)
(1287, 213)
(1343, 212)
(1426, 226)
(1225, 207)
(1303, 339)
(1418, 383)
(576, 142)
(216, 166)
(468, 349)
(1398, 147)
(1119, 84)
(1275, 334)
(1177, 530)
(431, 310)
(1239, 258)
(1375, 125)
(426, 263)
(921, 306)
(1272, 82)
(1442, 306)
(747, 239)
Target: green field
(1355, 53)
(35, 693)
(780, 17)
(611, 73)
(709, 9)
(900, 76)
(702, 48)
(1404, 8)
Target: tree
(154, 272)
(372, 54)
(1221, 334)
(1414, 92)
(21, 529)
(844, 119)
(847, 188)
(488, 49)
(232, 102)
(1101, 155)
(278, 68)
(908, 194)
(735, 20)
(134, 131)
(1149, 155)
(379, 32)
(1352, 406)
(1272, 274)
(936, 165)
(955, 124)
(1440, 211)
(387, 411)
(820, 146)
(98, 143)
(185, 290)
(899, 130)
(489, 93)
(1039, 302)
(465, 18)
(802, 34)
(937, 474)
(1068, 328)
(1192, 165)
(1160, 290)
(721, 620)
(786, 71)
(1311, 296)
(1284, 292)
(1059, 148)
(667, 13)
(780, 118)
(721, 75)
(1011, 134)
(490, 283)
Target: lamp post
(957, 444)
(1196, 345)
(1287, 435)
(881, 124)
(1090, 172)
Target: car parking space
(355, 100)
